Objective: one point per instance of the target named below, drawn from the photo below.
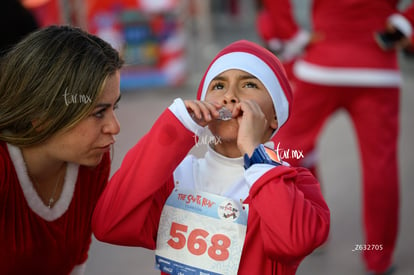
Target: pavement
(340, 170)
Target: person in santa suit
(58, 90)
(243, 99)
(348, 62)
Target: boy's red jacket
(288, 217)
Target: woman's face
(86, 143)
(229, 89)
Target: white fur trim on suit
(32, 198)
(402, 24)
(294, 47)
(346, 76)
(180, 111)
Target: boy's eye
(251, 85)
(217, 86)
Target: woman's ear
(36, 124)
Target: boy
(238, 210)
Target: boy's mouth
(224, 114)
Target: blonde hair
(38, 73)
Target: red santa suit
(35, 239)
(288, 217)
(344, 68)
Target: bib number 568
(196, 244)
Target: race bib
(200, 233)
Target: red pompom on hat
(258, 61)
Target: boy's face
(229, 89)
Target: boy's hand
(252, 126)
(202, 112)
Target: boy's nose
(229, 100)
(230, 97)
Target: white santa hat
(258, 61)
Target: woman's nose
(112, 127)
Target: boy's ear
(274, 124)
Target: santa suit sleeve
(404, 21)
(129, 209)
(277, 26)
(293, 215)
(276, 20)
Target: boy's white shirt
(216, 173)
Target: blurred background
(167, 45)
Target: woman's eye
(99, 114)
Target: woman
(58, 91)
